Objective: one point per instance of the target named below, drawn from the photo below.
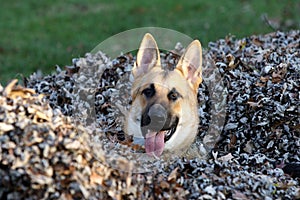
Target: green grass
(41, 34)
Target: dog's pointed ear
(147, 56)
(190, 64)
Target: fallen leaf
(13, 91)
(226, 158)
(5, 127)
(96, 178)
(173, 174)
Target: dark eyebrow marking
(173, 95)
(150, 91)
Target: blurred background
(37, 35)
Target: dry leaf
(231, 61)
(164, 184)
(279, 74)
(226, 158)
(239, 195)
(5, 127)
(173, 174)
(13, 91)
(96, 178)
(9, 87)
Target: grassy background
(41, 34)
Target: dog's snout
(155, 118)
(157, 113)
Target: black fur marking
(174, 95)
(149, 92)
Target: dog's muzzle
(155, 119)
(157, 126)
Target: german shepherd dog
(164, 102)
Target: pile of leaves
(61, 135)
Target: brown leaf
(96, 178)
(173, 174)
(9, 87)
(41, 117)
(164, 184)
(70, 70)
(21, 92)
(256, 41)
(264, 79)
(13, 91)
(280, 73)
(233, 140)
(231, 61)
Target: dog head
(164, 103)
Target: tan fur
(185, 78)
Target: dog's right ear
(147, 56)
(190, 64)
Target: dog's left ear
(147, 56)
(190, 64)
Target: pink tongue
(154, 143)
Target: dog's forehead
(166, 81)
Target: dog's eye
(149, 92)
(173, 95)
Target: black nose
(155, 118)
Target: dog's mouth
(169, 132)
(155, 140)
